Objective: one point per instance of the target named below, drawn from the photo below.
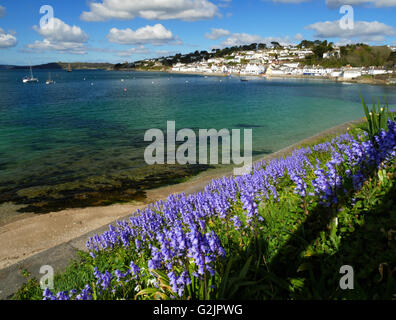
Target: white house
(351, 74)
(291, 65)
(335, 53)
(178, 66)
(374, 72)
(336, 73)
(393, 48)
(275, 72)
(254, 69)
(223, 69)
(313, 71)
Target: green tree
(276, 44)
(262, 46)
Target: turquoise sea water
(81, 142)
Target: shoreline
(32, 235)
(307, 77)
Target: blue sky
(114, 31)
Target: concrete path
(57, 257)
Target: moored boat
(49, 81)
(30, 78)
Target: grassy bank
(281, 232)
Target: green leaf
(305, 266)
(245, 268)
(296, 284)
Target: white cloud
(189, 10)
(7, 40)
(343, 42)
(377, 3)
(299, 37)
(217, 34)
(363, 31)
(57, 30)
(121, 53)
(165, 53)
(132, 51)
(2, 11)
(59, 36)
(63, 47)
(156, 34)
(238, 39)
(224, 3)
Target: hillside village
(282, 61)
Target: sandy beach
(32, 234)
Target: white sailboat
(49, 81)
(31, 78)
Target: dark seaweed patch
(96, 191)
